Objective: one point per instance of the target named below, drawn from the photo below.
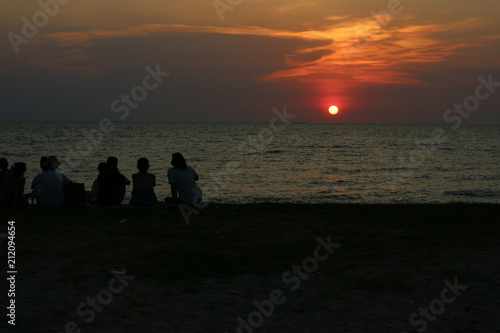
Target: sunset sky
(378, 61)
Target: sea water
(262, 162)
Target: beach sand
(387, 262)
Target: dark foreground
(375, 268)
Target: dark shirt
(3, 175)
(112, 187)
(12, 191)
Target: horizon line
(236, 122)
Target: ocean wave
(490, 178)
(425, 176)
(342, 197)
(473, 193)
(440, 168)
(4, 153)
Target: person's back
(4, 171)
(183, 179)
(102, 168)
(143, 194)
(112, 185)
(12, 192)
(35, 193)
(50, 184)
(3, 175)
(111, 188)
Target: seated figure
(143, 194)
(4, 170)
(12, 193)
(49, 184)
(111, 185)
(182, 179)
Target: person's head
(102, 167)
(3, 163)
(178, 161)
(112, 163)
(143, 165)
(19, 169)
(43, 163)
(52, 163)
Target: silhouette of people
(12, 193)
(143, 194)
(112, 184)
(4, 170)
(35, 190)
(182, 179)
(102, 168)
(49, 183)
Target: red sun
(333, 109)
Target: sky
(235, 60)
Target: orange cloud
(365, 52)
(354, 51)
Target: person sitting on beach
(102, 168)
(12, 193)
(112, 184)
(182, 179)
(35, 190)
(50, 184)
(4, 170)
(143, 194)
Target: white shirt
(51, 189)
(189, 192)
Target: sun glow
(333, 109)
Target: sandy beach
(257, 268)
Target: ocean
(264, 162)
